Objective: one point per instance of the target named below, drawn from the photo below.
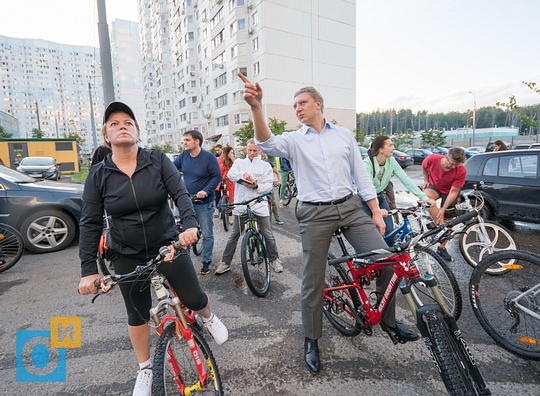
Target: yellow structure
(64, 151)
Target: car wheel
(48, 231)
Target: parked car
(436, 149)
(45, 212)
(510, 181)
(535, 146)
(363, 152)
(521, 146)
(172, 157)
(418, 155)
(404, 160)
(40, 167)
(468, 154)
(476, 149)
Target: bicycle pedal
(393, 336)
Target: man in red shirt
(444, 176)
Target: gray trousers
(266, 230)
(317, 224)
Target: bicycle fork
(182, 331)
(459, 342)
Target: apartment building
(193, 50)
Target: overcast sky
(418, 54)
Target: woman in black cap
(133, 185)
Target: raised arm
(253, 96)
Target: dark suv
(511, 183)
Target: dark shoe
(279, 222)
(444, 254)
(402, 333)
(311, 355)
(205, 268)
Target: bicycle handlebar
(258, 199)
(460, 219)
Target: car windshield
(14, 176)
(37, 161)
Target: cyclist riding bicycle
(132, 184)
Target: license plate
(34, 174)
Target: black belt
(334, 202)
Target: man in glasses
(444, 176)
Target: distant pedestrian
(276, 183)
(284, 169)
(499, 145)
(99, 154)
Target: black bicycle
(11, 246)
(255, 263)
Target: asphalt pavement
(264, 353)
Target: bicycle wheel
(175, 368)
(287, 195)
(428, 262)
(11, 247)
(255, 263)
(340, 307)
(475, 245)
(197, 247)
(450, 359)
(224, 212)
(508, 306)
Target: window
(522, 166)
(241, 118)
(238, 25)
(220, 101)
(238, 96)
(256, 69)
(221, 80)
(218, 39)
(255, 42)
(255, 19)
(234, 51)
(242, 70)
(222, 121)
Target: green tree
(277, 127)
(37, 134)
(78, 137)
(360, 134)
(405, 139)
(4, 134)
(433, 138)
(522, 113)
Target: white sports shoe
(216, 329)
(143, 386)
(276, 265)
(222, 268)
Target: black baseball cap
(115, 107)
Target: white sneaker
(276, 265)
(280, 203)
(143, 386)
(216, 329)
(222, 268)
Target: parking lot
(264, 352)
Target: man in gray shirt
(326, 161)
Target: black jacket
(141, 220)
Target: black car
(46, 213)
(511, 183)
(40, 167)
(404, 160)
(418, 155)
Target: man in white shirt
(259, 173)
(326, 161)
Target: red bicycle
(183, 361)
(351, 310)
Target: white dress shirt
(325, 164)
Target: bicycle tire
(474, 250)
(224, 212)
(255, 263)
(428, 261)
(197, 247)
(492, 301)
(11, 246)
(287, 195)
(341, 311)
(452, 363)
(163, 380)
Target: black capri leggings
(137, 297)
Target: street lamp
(473, 118)
(37, 109)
